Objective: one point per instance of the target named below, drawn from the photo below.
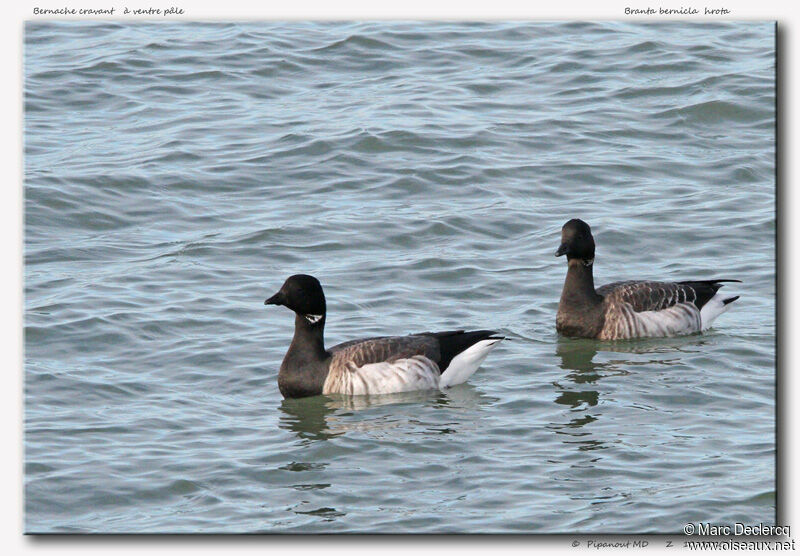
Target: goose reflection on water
(324, 417)
(320, 418)
(583, 372)
(578, 355)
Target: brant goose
(633, 308)
(373, 365)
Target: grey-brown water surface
(176, 174)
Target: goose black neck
(304, 369)
(579, 284)
(309, 338)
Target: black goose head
(577, 241)
(302, 294)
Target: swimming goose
(374, 365)
(630, 309)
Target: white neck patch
(587, 262)
(313, 319)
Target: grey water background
(177, 173)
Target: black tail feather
(730, 300)
(705, 289)
(453, 342)
(717, 283)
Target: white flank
(466, 363)
(681, 318)
(712, 309)
(403, 375)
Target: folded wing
(406, 363)
(656, 309)
(656, 296)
